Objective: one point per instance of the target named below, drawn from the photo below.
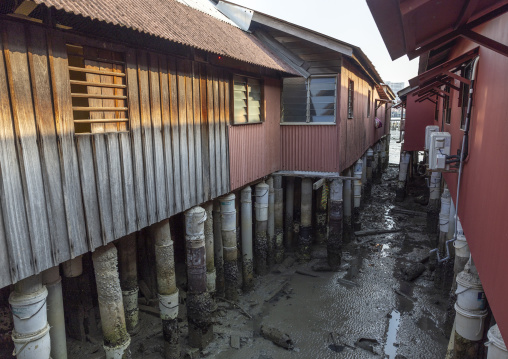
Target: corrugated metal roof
(174, 21)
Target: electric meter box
(428, 131)
(439, 149)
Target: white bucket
(497, 348)
(469, 324)
(461, 247)
(35, 346)
(470, 294)
(29, 311)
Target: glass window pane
(294, 100)
(322, 99)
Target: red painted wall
(255, 150)
(418, 116)
(483, 204)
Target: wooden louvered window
(248, 100)
(98, 89)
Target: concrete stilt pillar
(321, 214)
(199, 300)
(357, 194)
(218, 251)
(55, 311)
(289, 225)
(370, 169)
(73, 267)
(364, 178)
(462, 253)
(31, 330)
(209, 248)
(261, 236)
(246, 225)
(347, 223)
(305, 238)
(433, 206)
(334, 243)
(400, 193)
(279, 219)
(127, 266)
(166, 287)
(271, 223)
(228, 223)
(384, 158)
(114, 328)
(444, 271)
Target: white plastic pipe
(56, 319)
(246, 228)
(228, 223)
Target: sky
(346, 20)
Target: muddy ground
(372, 308)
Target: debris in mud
(412, 271)
(277, 337)
(367, 344)
(302, 272)
(408, 212)
(375, 232)
(277, 291)
(347, 283)
(235, 341)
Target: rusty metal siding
(310, 148)
(255, 150)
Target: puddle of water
(393, 327)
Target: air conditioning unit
(439, 148)
(428, 131)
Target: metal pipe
(305, 238)
(279, 219)
(55, 312)
(127, 266)
(166, 287)
(261, 238)
(228, 223)
(334, 243)
(114, 329)
(246, 232)
(209, 248)
(31, 330)
(289, 225)
(218, 251)
(271, 223)
(199, 301)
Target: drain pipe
(279, 219)
(261, 239)
(166, 287)
(368, 183)
(109, 292)
(357, 194)
(400, 193)
(305, 237)
(289, 225)
(55, 312)
(334, 244)
(209, 249)
(218, 251)
(31, 329)
(127, 267)
(230, 250)
(271, 223)
(347, 205)
(321, 215)
(246, 232)
(199, 301)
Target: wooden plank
(16, 62)
(48, 147)
(190, 132)
(115, 184)
(196, 96)
(147, 137)
(182, 125)
(166, 134)
(158, 150)
(211, 130)
(103, 190)
(88, 186)
(5, 272)
(11, 194)
(136, 143)
(224, 174)
(226, 121)
(216, 121)
(175, 133)
(129, 192)
(205, 151)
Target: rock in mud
(277, 337)
(413, 271)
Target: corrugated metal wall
(418, 116)
(255, 149)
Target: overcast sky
(346, 20)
